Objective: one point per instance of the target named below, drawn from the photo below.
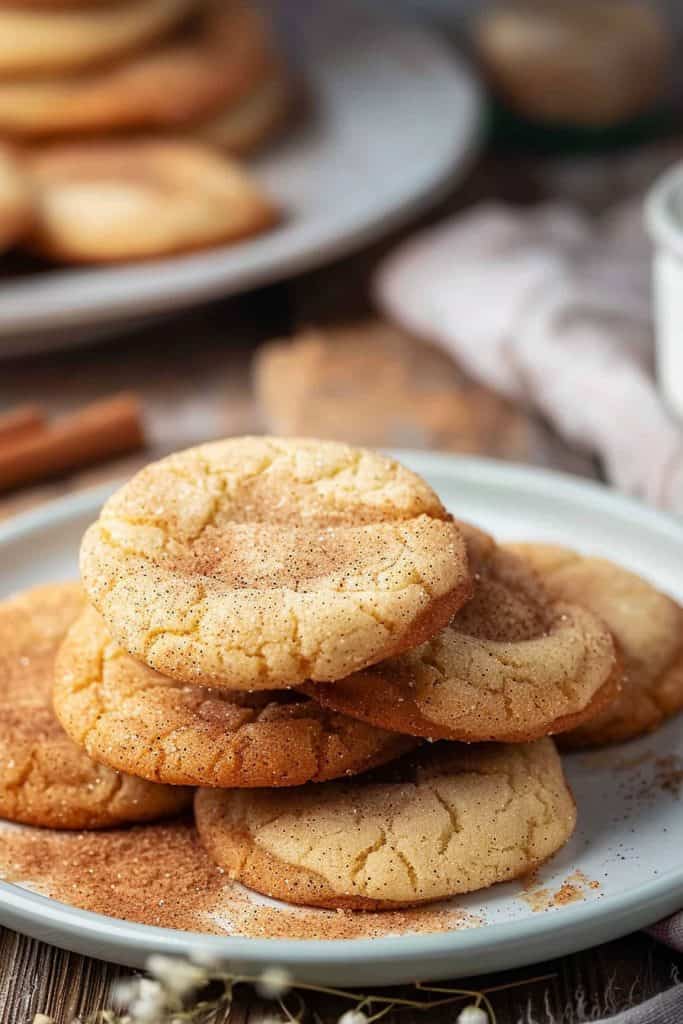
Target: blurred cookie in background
(135, 199)
(221, 63)
(16, 199)
(246, 125)
(370, 383)
(48, 39)
(80, 80)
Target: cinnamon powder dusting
(572, 890)
(255, 920)
(669, 774)
(160, 875)
(151, 874)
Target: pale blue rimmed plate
(624, 866)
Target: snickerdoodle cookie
(103, 202)
(133, 719)
(259, 563)
(44, 40)
(512, 664)
(51, 4)
(244, 126)
(369, 382)
(45, 779)
(16, 199)
(647, 626)
(211, 69)
(447, 820)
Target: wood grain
(35, 978)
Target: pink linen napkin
(551, 307)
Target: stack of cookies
(361, 688)
(88, 94)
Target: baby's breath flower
(177, 976)
(124, 990)
(149, 1002)
(353, 1017)
(204, 957)
(273, 982)
(473, 1015)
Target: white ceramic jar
(664, 218)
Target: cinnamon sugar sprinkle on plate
(572, 889)
(160, 875)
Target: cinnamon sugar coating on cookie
(647, 626)
(135, 720)
(16, 199)
(450, 819)
(258, 563)
(213, 68)
(512, 665)
(45, 779)
(42, 41)
(109, 200)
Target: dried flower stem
(172, 1010)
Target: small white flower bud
(149, 1002)
(353, 1017)
(124, 990)
(273, 983)
(473, 1015)
(177, 976)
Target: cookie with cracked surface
(369, 382)
(647, 626)
(131, 718)
(210, 69)
(16, 199)
(512, 665)
(51, 4)
(259, 563)
(450, 819)
(104, 202)
(246, 125)
(45, 779)
(35, 41)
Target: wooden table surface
(193, 374)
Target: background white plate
(394, 117)
(628, 844)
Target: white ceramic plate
(622, 869)
(394, 117)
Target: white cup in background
(664, 218)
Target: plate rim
(514, 943)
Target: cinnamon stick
(97, 432)
(20, 422)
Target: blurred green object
(574, 75)
(510, 132)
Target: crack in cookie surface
(457, 819)
(136, 720)
(258, 563)
(647, 626)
